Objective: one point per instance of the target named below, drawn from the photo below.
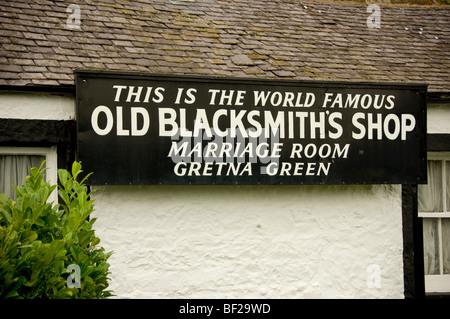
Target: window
(15, 163)
(434, 208)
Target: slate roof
(291, 39)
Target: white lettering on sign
(355, 101)
(289, 124)
(391, 126)
(248, 129)
(110, 119)
(285, 99)
(101, 109)
(134, 94)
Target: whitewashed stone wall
(252, 242)
(36, 106)
(438, 118)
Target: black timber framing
(413, 267)
(41, 133)
(438, 142)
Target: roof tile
(242, 38)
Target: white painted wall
(252, 241)
(244, 241)
(438, 118)
(36, 106)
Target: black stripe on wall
(42, 133)
(438, 142)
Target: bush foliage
(50, 250)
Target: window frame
(439, 283)
(51, 156)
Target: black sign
(136, 129)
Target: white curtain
(14, 168)
(430, 246)
(430, 195)
(431, 199)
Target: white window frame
(439, 283)
(51, 164)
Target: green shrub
(49, 250)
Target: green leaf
(95, 241)
(64, 196)
(74, 220)
(39, 222)
(17, 190)
(68, 237)
(6, 215)
(63, 176)
(76, 169)
(29, 236)
(82, 199)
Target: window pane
(14, 168)
(430, 195)
(446, 244)
(430, 246)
